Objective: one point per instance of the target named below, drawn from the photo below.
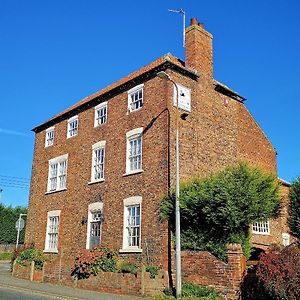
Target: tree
(294, 208)
(218, 210)
(8, 218)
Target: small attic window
(136, 98)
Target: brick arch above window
(133, 200)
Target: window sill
(70, 137)
(133, 172)
(96, 181)
(131, 250)
(261, 233)
(129, 111)
(100, 125)
(56, 191)
(50, 251)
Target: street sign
(22, 223)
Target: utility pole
(166, 76)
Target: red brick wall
(112, 283)
(117, 283)
(109, 282)
(22, 271)
(253, 144)
(201, 267)
(27, 272)
(152, 184)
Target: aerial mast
(182, 12)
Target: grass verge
(5, 256)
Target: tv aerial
(182, 12)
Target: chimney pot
(193, 21)
(201, 25)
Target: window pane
(73, 127)
(50, 138)
(135, 154)
(98, 164)
(136, 100)
(57, 175)
(133, 225)
(261, 227)
(53, 229)
(101, 115)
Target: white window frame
(96, 206)
(58, 161)
(285, 239)
(132, 135)
(49, 141)
(75, 129)
(131, 201)
(100, 107)
(95, 147)
(52, 214)
(261, 227)
(133, 91)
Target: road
(8, 292)
(13, 294)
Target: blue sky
(54, 53)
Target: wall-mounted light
(83, 220)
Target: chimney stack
(198, 49)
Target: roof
(283, 182)
(145, 73)
(225, 90)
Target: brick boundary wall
(201, 267)
(124, 283)
(109, 282)
(27, 272)
(7, 247)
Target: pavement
(51, 291)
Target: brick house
(101, 167)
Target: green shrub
(127, 267)
(191, 291)
(217, 210)
(163, 297)
(91, 262)
(169, 291)
(153, 270)
(29, 255)
(194, 290)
